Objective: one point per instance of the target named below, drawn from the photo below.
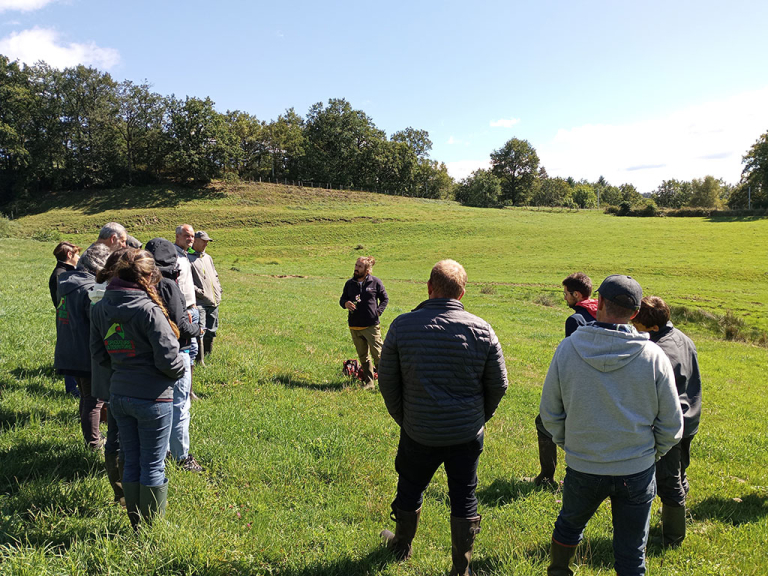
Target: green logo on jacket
(116, 341)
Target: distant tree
(551, 192)
(516, 165)
(250, 153)
(342, 144)
(482, 189)
(672, 194)
(418, 140)
(17, 105)
(754, 176)
(584, 196)
(200, 141)
(433, 175)
(705, 192)
(630, 194)
(287, 146)
(139, 125)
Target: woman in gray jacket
(133, 334)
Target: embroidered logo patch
(117, 343)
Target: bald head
(447, 280)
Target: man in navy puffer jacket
(442, 375)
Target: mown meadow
(299, 459)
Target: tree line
(516, 178)
(80, 128)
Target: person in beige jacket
(207, 289)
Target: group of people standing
(622, 398)
(130, 324)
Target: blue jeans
(179, 440)
(193, 349)
(144, 429)
(416, 463)
(631, 498)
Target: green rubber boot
(560, 559)
(153, 501)
(400, 543)
(131, 490)
(672, 525)
(114, 476)
(463, 532)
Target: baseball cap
(203, 236)
(622, 290)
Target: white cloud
(29, 46)
(708, 139)
(504, 122)
(23, 5)
(453, 140)
(463, 168)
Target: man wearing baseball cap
(610, 401)
(207, 289)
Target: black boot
(405, 530)
(114, 476)
(672, 525)
(560, 559)
(463, 532)
(208, 343)
(547, 460)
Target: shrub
(488, 289)
(547, 300)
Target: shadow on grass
(501, 492)
(26, 462)
(93, 201)
(374, 561)
(22, 374)
(749, 508)
(293, 381)
(596, 552)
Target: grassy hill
(299, 460)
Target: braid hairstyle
(106, 273)
(139, 266)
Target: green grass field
(299, 460)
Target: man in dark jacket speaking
(442, 375)
(365, 298)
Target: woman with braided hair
(133, 334)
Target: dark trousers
(671, 481)
(112, 445)
(90, 413)
(416, 464)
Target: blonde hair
(139, 266)
(369, 261)
(448, 279)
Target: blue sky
(635, 91)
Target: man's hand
(349, 305)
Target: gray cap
(203, 236)
(132, 242)
(622, 290)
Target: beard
(359, 276)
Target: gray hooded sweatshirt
(131, 334)
(609, 400)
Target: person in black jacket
(577, 289)
(72, 356)
(67, 255)
(365, 298)
(671, 480)
(442, 376)
(164, 253)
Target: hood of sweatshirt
(75, 280)
(607, 350)
(121, 304)
(165, 256)
(590, 305)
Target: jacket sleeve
(551, 408)
(382, 298)
(99, 354)
(52, 282)
(570, 326)
(390, 382)
(494, 377)
(165, 346)
(216, 281)
(174, 301)
(668, 425)
(344, 298)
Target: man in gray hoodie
(610, 401)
